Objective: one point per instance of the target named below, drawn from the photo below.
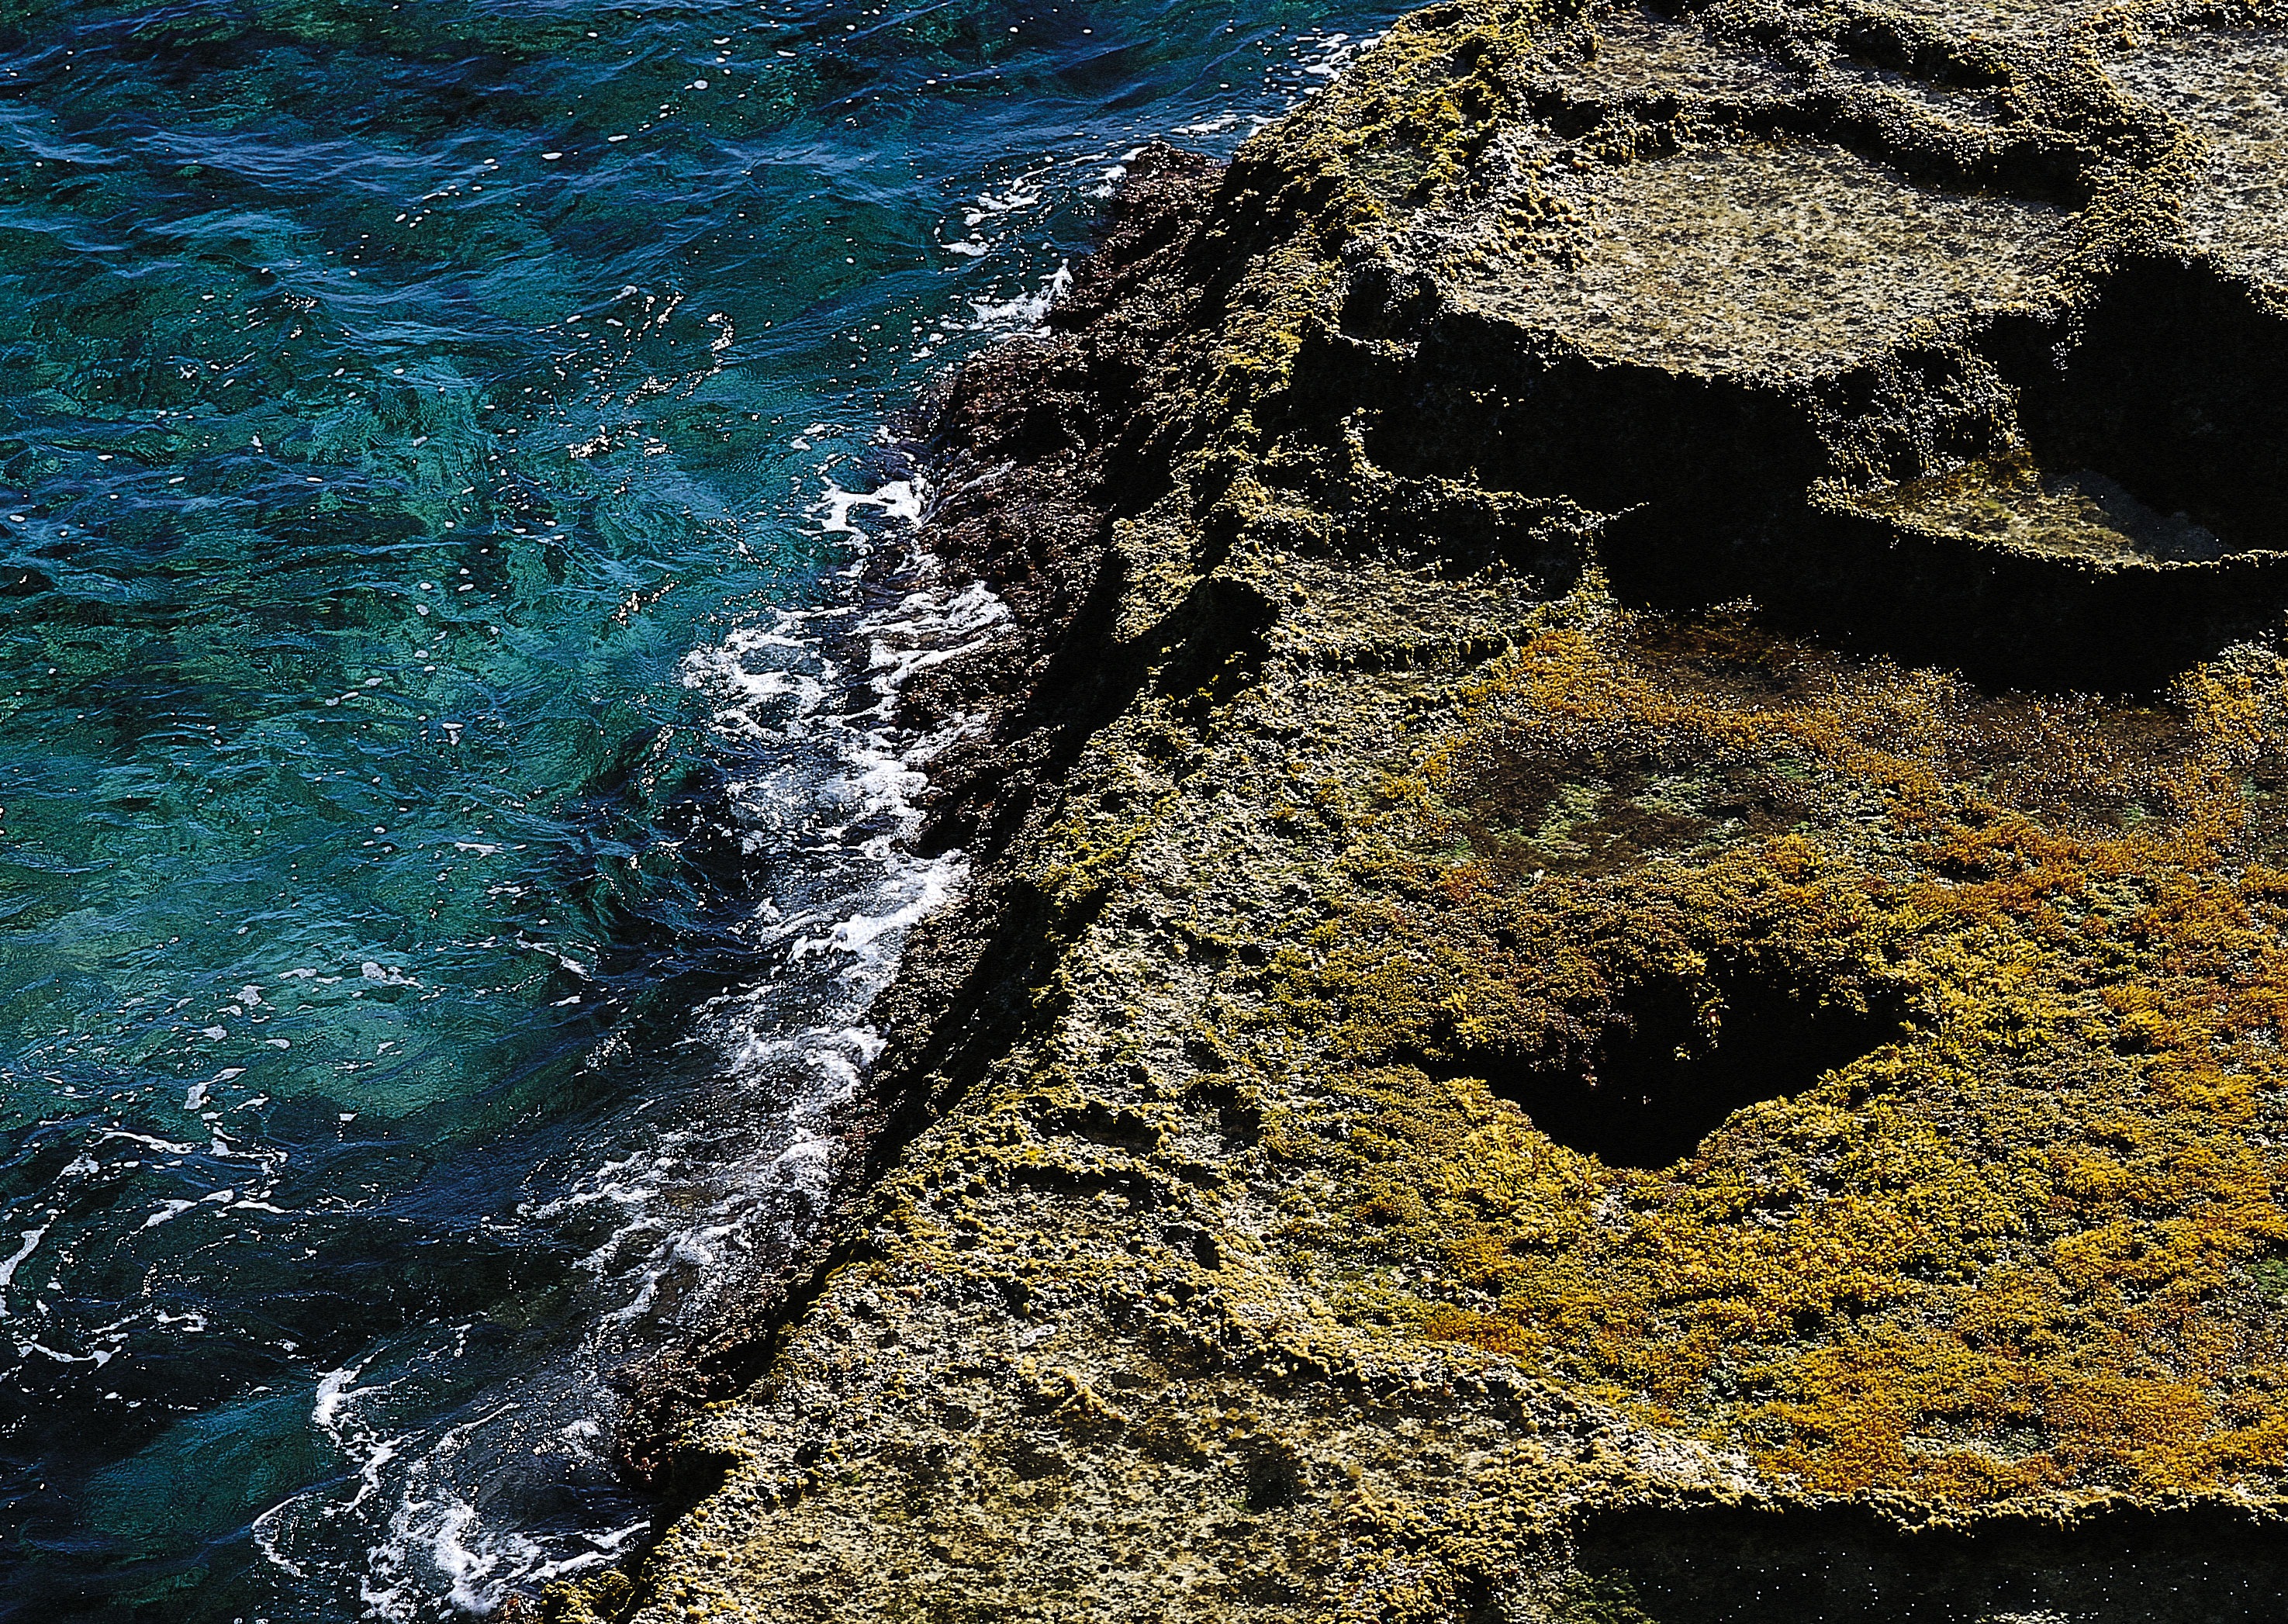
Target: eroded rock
(1629, 942)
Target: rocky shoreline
(1630, 921)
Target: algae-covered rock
(1629, 936)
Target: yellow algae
(2009, 1249)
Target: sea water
(458, 553)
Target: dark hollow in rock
(2102, 501)
(1274, 1480)
(2174, 392)
(1657, 1080)
(1843, 1565)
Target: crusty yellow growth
(2032, 1244)
(1229, 1194)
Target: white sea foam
(676, 1218)
(670, 1222)
(31, 1238)
(334, 1392)
(1027, 310)
(853, 889)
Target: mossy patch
(2021, 1246)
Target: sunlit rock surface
(1629, 943)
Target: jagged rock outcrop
(1631, 929)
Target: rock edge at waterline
(1630, 920)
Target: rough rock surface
(1631, 934)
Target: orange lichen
(2010, 1249)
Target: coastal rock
(1630, 925)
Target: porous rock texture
(1629, 934)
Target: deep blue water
(450, 817)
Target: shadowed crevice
(1663, 1073)
(2127, 515)
(1845, 1565)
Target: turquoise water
(456, 557)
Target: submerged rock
(1631, 921)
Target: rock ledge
(1630, 946)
